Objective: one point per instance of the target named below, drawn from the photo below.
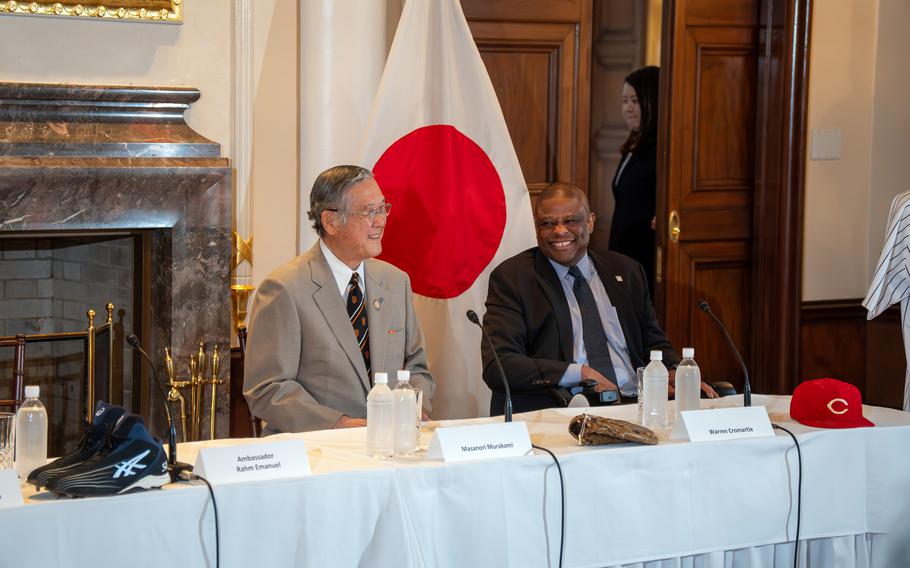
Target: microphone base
(175, 469)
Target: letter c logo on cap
(840, 400)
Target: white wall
(841, 90)
(275, 164)
(80, 50)
(859, 84)
(890, 120)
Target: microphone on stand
(173, 466)
(747, 388)
(507, 410)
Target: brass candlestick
(240, 295)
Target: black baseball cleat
(135, 461)
(119, 435)
(94, 441)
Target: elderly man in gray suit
(322, 324)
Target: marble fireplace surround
(88, 160)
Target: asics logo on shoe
(99, 412)
(125, 468)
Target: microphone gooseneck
(747, 388)
(507, 407)
(173, 466)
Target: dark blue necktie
(596, 344)
(358, 314)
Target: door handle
(673, 224)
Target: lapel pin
(618, 278)
(377, 304)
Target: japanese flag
(439, 148)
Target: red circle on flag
(449, 209)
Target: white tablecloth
(673, 505)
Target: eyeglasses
(570, 223)
(371, 214)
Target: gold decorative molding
(242, 250)
(166, 11)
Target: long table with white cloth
(679, 504)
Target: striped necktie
(595, 338)
(357, 313)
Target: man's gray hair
(330, 192)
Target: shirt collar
(584, 265)
(341, 271)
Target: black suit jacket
(635, 194)
(528, 320)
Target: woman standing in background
(635, 181)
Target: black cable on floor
(562, 491)
(191, 477)
(799, 492)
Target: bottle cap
(404, 375)
(688, 352)
(381, 379)
(32, 391)
(657, 355)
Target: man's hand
(709, 390)
(603, 383)
(348, 422)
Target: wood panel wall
(837, 341)
(538, 55)
(619, 44)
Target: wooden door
(709, 98)
(538, 55)
(730, 166)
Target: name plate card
(277, 459)
(727, 423)
(480, 442)
(10, 492)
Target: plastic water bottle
(405, 413)
(688, 384)
(31, 433)
(380, 418)
(655, 392)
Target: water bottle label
(10, 491)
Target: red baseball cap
(828, 403)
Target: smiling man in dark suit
(560, 313)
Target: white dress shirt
(619, 351)
(342, 272)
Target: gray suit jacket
(303, 368)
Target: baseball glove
(592, 430)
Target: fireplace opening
(48, 283)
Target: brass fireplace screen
(98, 376)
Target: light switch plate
(826, 144)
